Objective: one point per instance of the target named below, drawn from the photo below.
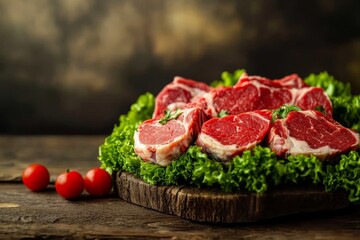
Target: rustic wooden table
(24, 214)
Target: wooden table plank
(57, 153)
(25, 214)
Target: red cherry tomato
(69, 185)
(98, 182)
(36, 177)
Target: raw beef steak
(223, 138)
(257, 93)
(163, 143)
(311, 133)
(288, 82)
(248, 96)
(291, 81)
(177, 94)
(311, 98)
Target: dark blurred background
(73, 66)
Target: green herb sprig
(170, 115)
(223, 113)
(283, 111)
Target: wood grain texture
(211, 205)
(45, 215)
(57, 153)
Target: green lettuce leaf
(345, 176)
(332, 87)
(117, 152)
(304, 169)
(152, 173)
(228, 79)
(178, 172)
(346, 110)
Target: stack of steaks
(225, 121)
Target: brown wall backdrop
(73, 66)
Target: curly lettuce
(228, 79)
(346, 110)
(345, 176)
(332, 87)
(255, 171)
(117, 152)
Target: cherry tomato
(36, 177)
(98, 182)
(70, 184)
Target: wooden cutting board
(211, 205)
